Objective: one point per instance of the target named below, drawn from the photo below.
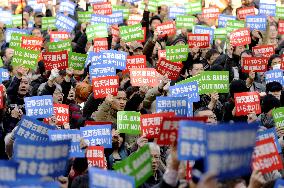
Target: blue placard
(8, 171)
(269, 133)
(100, 178)
(97, 135)
(279, 183)
(30, 183)
(190, 109)
(4, 75)
(256, 22)
(229, 149)
(179, 105)
(6, 17)
(99, 18)
(9, 31)
(68, 7)
(175, 11)
(132, 1)
(39, 106)
(198, 29)
(94, 58)
(101, 71)
(32, 129)
(191, 140)
(267, 9)
(114, 58)
(189, 90)
(64, 23)
(274, 75)
(37, 7)
(41, 159)
(116, 17)
(223, 18)
(74, 135)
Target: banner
(8, 169)
(177, 53)
(189, 90)
(166, 29)
(128, 122)
(61, 112)
(138, 165)
(64, 23)
(48, 23)
(32, 129)
(204, 30)
(41, 159)
(269, 133)
(39, 106)
(56, 36)
(151, 123)
(171, 69)
(131, 33)
(16, 40)
(210, 12)
(229, 149)
(72, 134)
(114, 58)
(25, 58)
(254, 64)
(54, 60)
(265, 157)
(59, 46)
(278, 116)
(246, 11)
(247, 102)
(223, 19)
(97, 135)
(143, 76)
(135, 61)
(104, 86)
(267, 9)
(102, 8)
(76, 61)
(256, 22)
(84, 17)
(198, 40)
(264, 50)
(240, 37)
(100, 44)
(274, 75)
(179, 105)
(109, 178)
(95, 156)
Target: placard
(189, 90)
(280, 12)
(97, 135)
(177, 53)
(210, 12)
(246, 11)
(84, 17)
(54, 60)
(64, 23)
(269, 133)
(96, 71)
(39, 106)
(67, 6)
(213, 81)
(278, 116)
(223, 19)
(114, 58)
(254, 64)
(198, 40)
(171, 69)
(9, 32)
(166, 28)
(247, 102)
(95, 156)
(48, 23)
(134, 19)
(135, 61)
(59, 46)
(104, 86)
(264, 50)
(234, 25)
(175, 11)
(204, 30)
(274, 75)
(267, 9)
(193, 7)
(128, 122)
(96, 30)
(25, 58)
(256, 22)
(100, 44)
(16, 40)
(179, 105)
(145, 76)
(76, 61)
(240, 37)
(8, 169)
(56, 36)
(104, 8)
(281, 27)
(61, 112)
(131, 33)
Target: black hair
(273, 86)
(203, 108)
(238, 86)
(190, 67)
(246, 52)
(210, 53)
(271, 58)
(156, 17)
(80, 164)
(269, 102)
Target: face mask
(276, 67)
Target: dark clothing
(227, 113)
(153, 181)
(81, 181)
(13, 96)
(36, 83)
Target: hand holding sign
(256, 180)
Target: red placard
(240, 37)
(246, 102)
(57, 60)
(90, 123)
(61, 112)
(32, 43)
(264, 50)
(281, 27)
(169, 129)
(41, 1)
(161, 54)
(114, 29)
(266, 157)
(103, 86)
(15, 1)
(198, 40)
(1, 96)
(95, 156)
(172, 69)
(144, 32)
(134, 19)
(151, 123)
(102, 8)
(135, 61)
(100, 44)
(58, 35)
(142, 77)
(254, 64)
(243, 12)
(210, 13)
(166, 28)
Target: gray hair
(154, 147)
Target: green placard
(138, 165)
(48, 22)
(131, 33)
(183, 21)
(128, 122)
(214, 81)
(25, 58)
(278, 116)
(60, 46)
(16, 21)
(193, 7)
(280, 12)
(152, 6)
(1, 62)
(168, 2)
(234, 24)
(76, 60)
(84, 16)
(220, 33)
(177, 53)
(16, 40)
(125, 10)
(96, 30)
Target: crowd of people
(74, 88)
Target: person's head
(238, 86)
(274, 62)
(274, 88)
(136, 48)
(7, 54)
(156, 154)
(58, 95)
(154, 21)
(245, 53)
(36, 32)
(61, 76)
(119, 101)
(204, 52)
(117, 138)
(269, 102)
(24, 86)
(38, 19)
(196, 68)
(273, 31)
(211, 56)
(206, 112)
(238, 50)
